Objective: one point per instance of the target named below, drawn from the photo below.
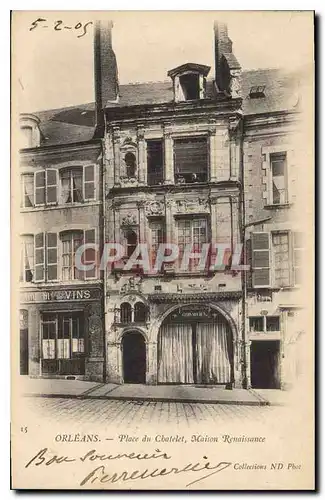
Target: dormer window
(29, 132)
(189, 81)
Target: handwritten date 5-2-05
(60, 26)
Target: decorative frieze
(196, 205)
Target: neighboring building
(194, 160)
(61, 315)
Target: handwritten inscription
(59, 25)
(101, 475)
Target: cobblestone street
(134, 414)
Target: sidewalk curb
(258, 402)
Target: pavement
(78, 389)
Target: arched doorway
(134, 358)
(195, 347)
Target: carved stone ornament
(129, 220)
(154, 208)
(133, 284)
(192, 206)
(234, 85)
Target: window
(155, 162)
(157, 230)
(191, 160)
(140, 312)
(276, 259)
(264, 324)
(46, 257)
(77, 184)
(46, 186)
(190, 84)
(126, 313)
(63, 342)
(70, 243)
(192, 231)
(279, 188)
(71, 185)
(280, 243)
(257, 92)
(27, 186)
(27, 258)
(131, 242)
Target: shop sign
(193, 314)
(66, 295)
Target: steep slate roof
(76, 123)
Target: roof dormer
(30, 136)
(189, 81)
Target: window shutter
(39, 257)
(51, 186)
(39, 187)
(52, 256)
(89, 256)
(298, 239)
(89, 178)
(261, 260)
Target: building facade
(197, 161)
(61, 308)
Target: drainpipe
(244, 290)
(102, 226)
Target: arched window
(130, 161)
(140, 312)
(126, 313)
(131, 242)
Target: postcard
(162, 218)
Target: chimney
(227, 67)
(106, 75)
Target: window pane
(51, 194)
(40, 179)
(52, 273)
(51, 177)
(272, 323)
(256, 324)
(52, 256)
(40, 196)
(39, 273)
(89, 173)
(51, 239)
(39, 256)
(89, 190)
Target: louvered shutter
(90, 253)
(52, 256)
(39, 257)
(51, 186)
(89, 182)
(261, 259)
(39, 187)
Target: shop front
(195, 346)
(61, 333)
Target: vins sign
(68, 295)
